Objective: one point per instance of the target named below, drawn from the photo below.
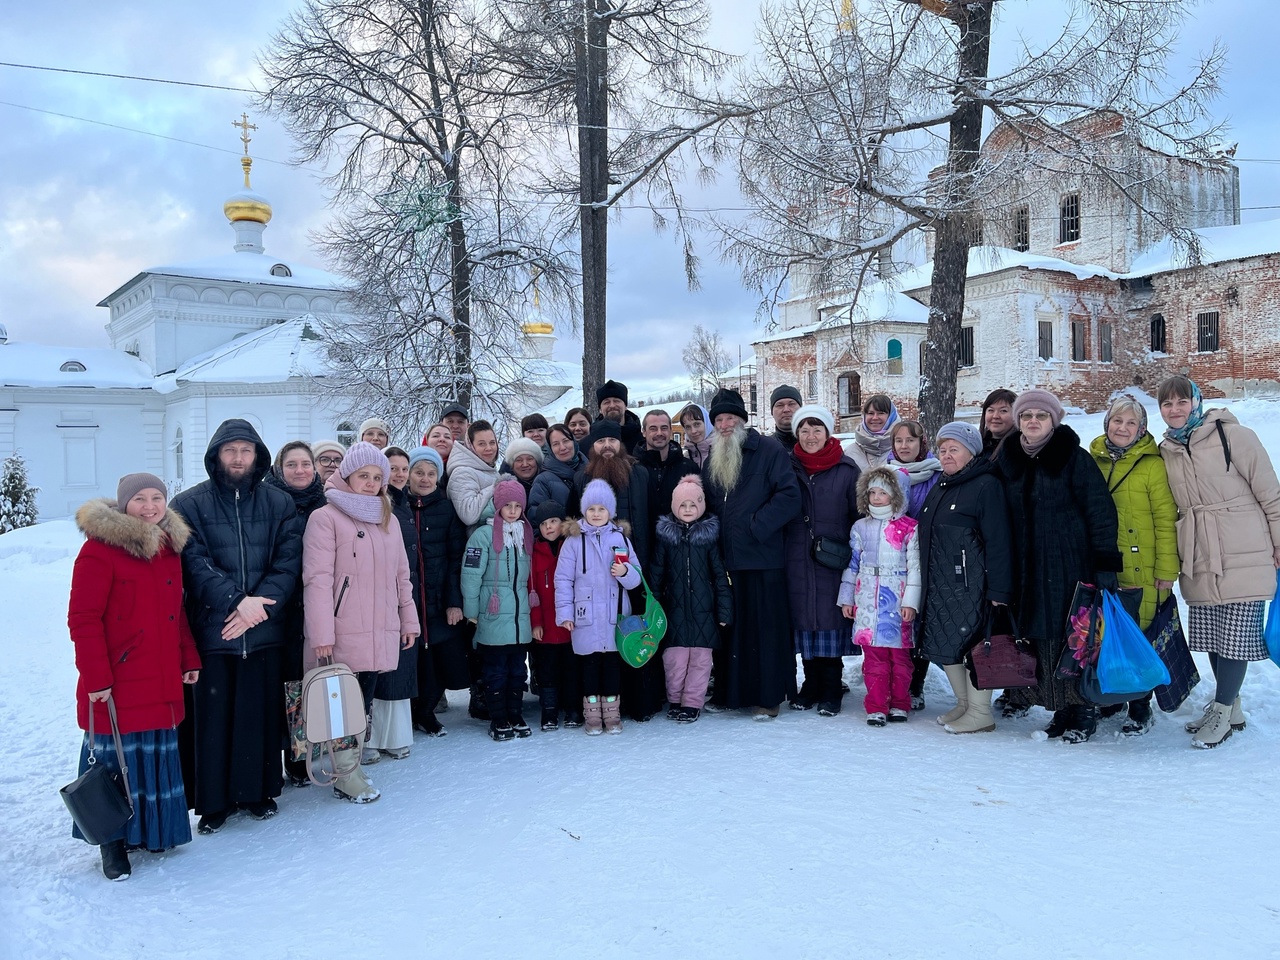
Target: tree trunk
(592, 104)
(953, 231)
(460, 276)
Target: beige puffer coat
(1229, 515)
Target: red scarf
(824, 459)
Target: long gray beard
(725, 460)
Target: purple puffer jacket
(586, 592)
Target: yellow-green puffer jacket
(1148, 539)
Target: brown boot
(612, 710)
(591, 712)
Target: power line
(125, 76)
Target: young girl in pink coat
(356, 595)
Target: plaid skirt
(1231, 630)
(824, 643)
(159, 818)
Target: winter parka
(441, 541)
(471, 483)
(828, 508)
(402, 682)
(542, 586)
(246, 541)
(633, 507)
(126, 618)
(586, 592)
(555, 481)
(966, 559)
(1226, 490)
(357, 596)
(688, 577)
(754, 514)
(1064, 531)
(883, 575)
(1147, 515)
(663, 477)
(507, 574)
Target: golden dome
(247, 205)
(531, 327)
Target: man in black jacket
(240, 568)
(666, 463)
(751, 485)
(783, 403)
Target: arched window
(849, 389)
(72, 366)
(895, 357)
(280, 270)
(346, 433)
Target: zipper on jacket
(244, 576)
(964, 565)
(346, 582)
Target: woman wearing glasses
(1064, 531)
(328, 454)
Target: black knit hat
(534, 421)
(547, 510)
(785, 392)
(603, 428)
(728, 401)
(611, 388)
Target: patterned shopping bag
(1165, 634)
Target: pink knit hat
(689, 488)
(505, 492)
(363, 454)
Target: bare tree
(403, 96)
(706, 358)
(868, 128)
(624, 79)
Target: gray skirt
(1231, 630)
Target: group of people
(455, 564)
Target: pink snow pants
(887, 674)
(688, 673)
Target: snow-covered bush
(17, 496)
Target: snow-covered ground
(805, 837)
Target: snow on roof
(243, 267)
(271, 355)
(987, 260)
(1218, 244)
(747, 368)
(43, 365)
(877, 301)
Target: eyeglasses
(329, 461)
(1034, 415)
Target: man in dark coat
(611, 398)
(666, 463)
(783, 403)
(752, 487)
(240, 569)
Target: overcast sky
(86, 206)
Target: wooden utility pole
(592, 100)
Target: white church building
(192, 344)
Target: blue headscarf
(1182, 435)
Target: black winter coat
(246, 540)
(402, 682)
(966, 559)
(633, 507)
(1064, 531)
(442, 540)
(828, 508)
(554, 482)
(307, 501)
(689, 580)
(663, 477)
(754, 513)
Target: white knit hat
(522, 445)
(813, 412)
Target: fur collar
(703, 532)
(1054, 458)
(100, 520)
(573, 528)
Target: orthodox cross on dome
(246, 161)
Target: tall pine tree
(17, 496)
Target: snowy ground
(806, 837)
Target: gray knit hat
(131, 483)
(965, 434)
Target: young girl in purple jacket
(597, 566)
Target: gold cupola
(248, 212)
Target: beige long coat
(1229, 516)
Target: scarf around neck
(876, 444)
(823, 460)
(357, 506)
(918, 471)
(1182, 435)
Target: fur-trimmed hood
(702, 532)
(1054, 457)
(896, 480)
(573, 528)
(100, 520)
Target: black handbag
(1002, 660)
(99, 799)
(832, 553)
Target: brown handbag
(1002, 660)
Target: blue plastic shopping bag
(1272, 631)
(1126, 660)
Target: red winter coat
(542, 584)
(127, 620)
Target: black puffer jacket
(663, 477)
(307, 500)
(966, 559)
(1064, 531)
(689, 580)
(633, 506)
(438, 558)
(246, 540)
(402, 682)
(754, 514)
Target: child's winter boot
(592, 711)
(612, 715)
